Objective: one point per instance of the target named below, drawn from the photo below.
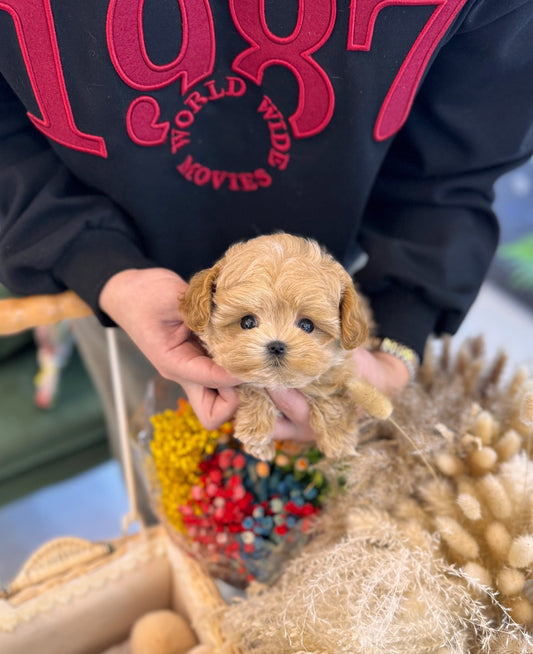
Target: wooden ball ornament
(162, 632)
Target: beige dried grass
(410, 559)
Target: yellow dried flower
(521, 610)
(179, 444)
(449, 464)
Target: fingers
(291, 403)
(189, 362)
(286, 430)
(386, 372)
(294, 422)
(212, 407)
(145, 304)
(181, 358)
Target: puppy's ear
(195, 305)
(354, 319)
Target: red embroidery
(398, 101)
(213, 93)
(179, 139)
(34, 26)
(195, 172)
(280, 140)
(35, 30)
(196, 101)
(142, 122)
(218, 178)
(278, 159)
(184, 119)
(125, 40)
(201, 175)
(314, 26)
(269, 109)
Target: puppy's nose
(277, 348)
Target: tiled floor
(92, 504)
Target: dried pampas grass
(428, 547)
(381, 588)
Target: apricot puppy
(279, 312)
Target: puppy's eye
(249, 322)
(306, 325)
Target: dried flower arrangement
(428, 549)
(240, 516)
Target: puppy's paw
(260, 446)
(254, 423)
(263, 451)
(335, 426)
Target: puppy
(279, 312)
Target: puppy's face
(275, 311)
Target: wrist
(113, 290)
(399, 351)
(132, 283)
(386, 372)
(395, 371)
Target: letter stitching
(142, 122)
(314, 26)
(34, 26)
(399, 99)
(127, 49)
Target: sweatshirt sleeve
(55, 232)
(429, 229)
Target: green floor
(40, 447)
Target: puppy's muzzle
(277, 349)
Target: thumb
(291, 403)
(192, 364)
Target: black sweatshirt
(137, 134)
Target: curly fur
(280, 280)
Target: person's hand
(145, 303)
(385, 371)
